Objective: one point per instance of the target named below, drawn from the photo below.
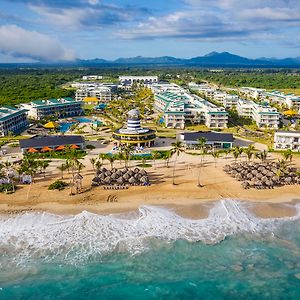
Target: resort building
(290, 100)
(51, 143)
(92, 77)
(12, 120)
(94, 94)
(203, 88)
(215, 140)
(144, 80)
(287, 140)
(263, 115)
(133, 133)
(226, 100)
(252, 92)
(180, 107)
(64, 107)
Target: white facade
(252, 92)
(287, 140)
(129, 80)
(64, 107)
(203, 88)
(102, 93)
(290, 100)
(227, 100)
(92, 77)
(263, 116)
(12, 120)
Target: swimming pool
(64, 127)
(83, 120)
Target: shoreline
(192, 209)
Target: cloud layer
(17, 41)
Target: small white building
(284, 140)
(92, 77)
(290, 100)
(227, 100)
(96, 94)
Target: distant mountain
(213, 59)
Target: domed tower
(134, 133)
(134, 120)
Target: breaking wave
(79, 237)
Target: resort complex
(133, 134)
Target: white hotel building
(12, 120)
(179, 107)
(290, 100)
(98, 93)
(64, 107)
(227, 100)
(263, 116)
(145, 80)
(252, 92)
(287, 140)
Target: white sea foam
(78, 237)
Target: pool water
(83, 120)
(64, 127)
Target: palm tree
(63, 167)
(226, 152)
(155, 155)
(111, 159)
(102, 156)
(237, 152)
(249, 151)
(287, 155)
(93, 161)
(201, 144)
(168, 155)
(176, 150)
(43, 164)
(215, 155)
(262, 155)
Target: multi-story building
(181, 107)
(101, 93)
(12, 120)
(145, 80)
(287, 140)
(203, 88)
(252, 92)
(290, 100)
(263, 115)
(227, 100)
(64, 107)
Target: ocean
(150, 254)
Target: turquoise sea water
(152, 254)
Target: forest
(19, 85)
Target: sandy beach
(185, 197)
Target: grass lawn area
(14, 138)
(293, 91)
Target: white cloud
(17, 42)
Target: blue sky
(53, 30)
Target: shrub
(90, 147)
(57, 185)
(7, 188)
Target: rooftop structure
(51, 143)
(284, 140)
(134, 133)
(215, 140)
(263, 115)
(12, 120)
(64, 107)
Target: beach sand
(185, 198)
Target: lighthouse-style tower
(134, 134)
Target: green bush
(7, 188)
(90, 147)
(57, 185)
